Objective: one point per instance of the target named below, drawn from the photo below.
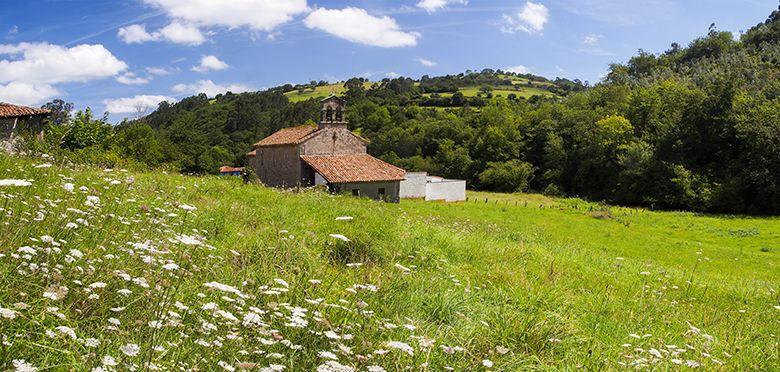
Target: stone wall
(333, 140)
(277, 165)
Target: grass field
(320, 92)
(123, 270)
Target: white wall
(414, 185)
(447, 190)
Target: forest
(694, 127)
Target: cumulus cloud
(130, 78)
(356, 25)
(264, 15)
(519, 69)
(134, 104)
(135, 34)
(209, 88)
(176, 32)
(426, 62)
(530, 19)
(392, 75)
(26, 93)
(210, 63)
(34, 68)
(434, 5)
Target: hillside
(151, 270)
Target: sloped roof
(228, 169)
(251, 154)
(353, 168)
(287, 136)
(8, 110)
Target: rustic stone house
(15, 118)
(327, 154)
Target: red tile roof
(353, 168)
(227, 169)
(251, 154)
(287, 136)
(8, 110)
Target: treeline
(695, 127)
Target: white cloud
(182, 33)
(591, 39)
(158, 71)
(32, 69)
(209, 87)
(176, 32)
(135, 34)
(210, 63)
(134, 104)
(530, 19)
(26, 93)
(392, 75)
(356, 25)
(426, 62)
(51, 64)
(434, 5)
(130, 78)
(264, 15)
(519, 69)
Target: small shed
(15, 117)
(419, 185)
(230, 171)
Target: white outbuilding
(419, 185)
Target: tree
(509, 176)
(60, 111)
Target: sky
(122, 56)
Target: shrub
(510, 176)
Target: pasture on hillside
(122, 270)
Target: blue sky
(119, 55)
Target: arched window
(329, 114)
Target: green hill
(133, 270)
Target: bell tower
(332, 113)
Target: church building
(326, 154)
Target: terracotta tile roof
(287, 136)
(8, 110)
(353, 168)
(251, 154)
(227, 169)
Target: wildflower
(109, 361)
(375, 368)
(402, 267)
(171, 266)
(487, 363)
(130, 350)
(327, 355)
(226, 366)
(333, 366)
(318, 282)
(68, 331)
(340, 237)
(7, 313)
(44, 165)
(13, 182)
(224, 288)
(91, 342)
(282, 283)
(187, 240)
(114, 321)
(400, 346)
(344, 218)
(331, 335)
(188, 208)
(20, 365)
(68, 187)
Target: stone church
(326, 154)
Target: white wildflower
(20, 365)
(400, 346)
(170, 266)
(487, 363)
(340, 237)
(344, 218)
(13, 182)
(7, 313)
(130, 350)
(188, 208)
(69, 187)
(67, 331)
(402, 267)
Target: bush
(510, 176)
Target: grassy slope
(555, 285)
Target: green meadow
(107, 269)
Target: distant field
(319, 92)
(138, 271)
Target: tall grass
(152, 270)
